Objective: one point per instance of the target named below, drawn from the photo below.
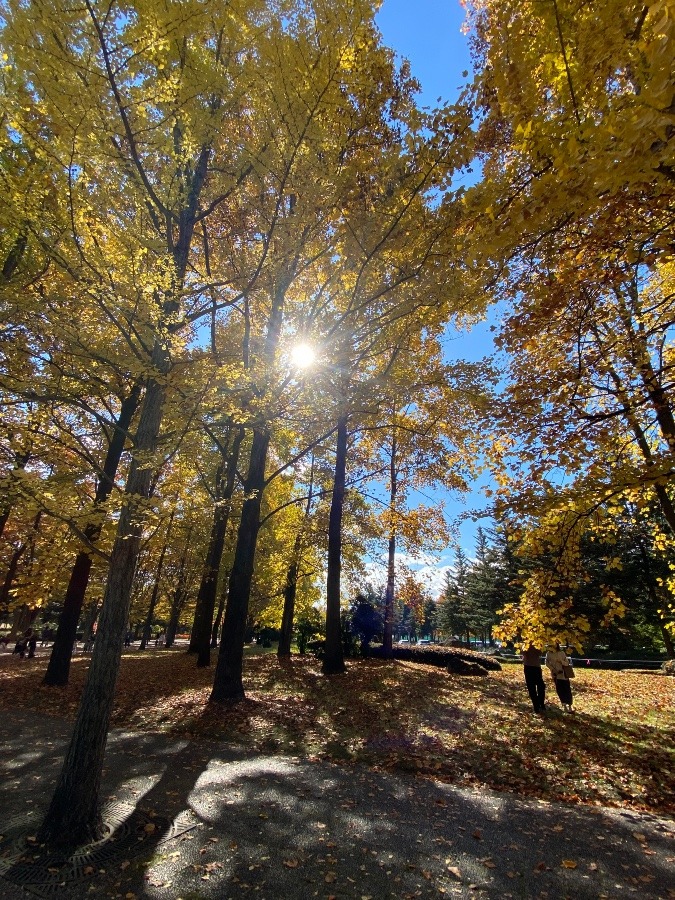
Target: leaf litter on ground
(616, 749)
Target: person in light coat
(555, 661)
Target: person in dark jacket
(22, 644)
(534, 679)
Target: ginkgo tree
(574, 234)
(129, 107)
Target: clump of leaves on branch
(576, 139)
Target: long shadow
(283, 827)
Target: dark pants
(564, 689)
(535, 686)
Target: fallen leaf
(569, 864)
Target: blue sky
(428, 34)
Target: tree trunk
(155, 587)
(290, 589)
(387, 638)
(22, 618)
(10, 576)
(219, 615)
(333, 661)
(58, 668)
(667, 640)
(228, 682)
(291, 586)
(200, 639)
(201, 622)
(20, 463)
(179, 596)
(73, 815)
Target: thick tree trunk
(58, 668)
(333, 661)
(73, 815)
(228, 682)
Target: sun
(302, 355)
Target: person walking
(561, 671)
(22, 645)
(534, 679)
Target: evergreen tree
(453, 613)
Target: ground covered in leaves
(618, 748)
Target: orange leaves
(408, 717)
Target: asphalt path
(198, 819)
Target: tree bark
(228, 682)
(73, 816)
(58, 668)
(179, 596)
(200, 639)
(20, 463)
(10, 575)
(155, 587)
(333, 661)
(22, 618)
(291, 585)
(290, 590)
(387, 639)
(215, 631)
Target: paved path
(214, 822)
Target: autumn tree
(338, 267)
(574, 235)
(130, 107)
